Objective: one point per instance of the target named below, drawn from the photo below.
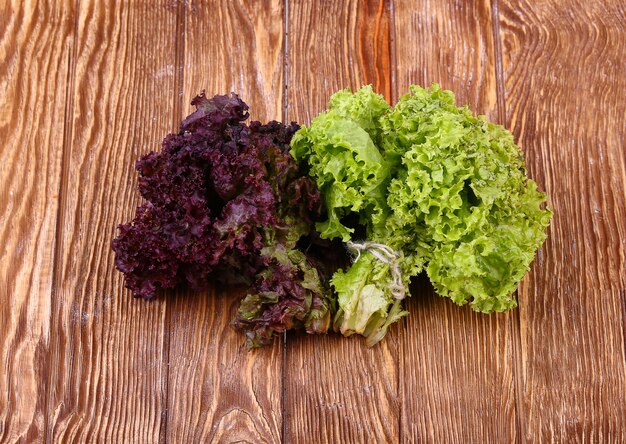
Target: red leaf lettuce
(225, 200)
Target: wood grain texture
(457, 380)
(336, 389)
(35, 48)
(107, 372)
(451, 43)
(218, 391)
(336, 44)
(87, 86)
(564, 64)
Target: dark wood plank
(108, 358)
(564, 64)
(35, 51)
(457, 380)
(218, 391)
(338, 390)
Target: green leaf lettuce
(445, 189)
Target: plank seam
(181, 28)
(622, 297)
(68, 131)
(515, 326)
(285, 116)
(392, 51)
(394, 97)
(497, 43)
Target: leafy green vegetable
(226, 201)
(345, 160)
(341, 148)
(443, 188)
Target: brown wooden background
(87, 86)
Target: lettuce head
(445, 189)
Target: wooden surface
(336, 387)
(217, 392)
(87, 86)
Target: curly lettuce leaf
(343, 157)
(429, 179)
(464, 180)
(342, 149)
(289, 294)
(226, 201)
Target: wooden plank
(218, 391)
(566, 101)
(457, 379)
(35, 51)
(336, 389)
(108, 379)
(339, 44)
